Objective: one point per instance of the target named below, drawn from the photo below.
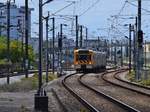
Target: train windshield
(84, 57)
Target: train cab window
(84, 57)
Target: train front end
(83, 59)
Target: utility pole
(41, 98)
(134, 49)
(58, 50)
(81, 36)
(8, 39)
(121, 55)
(60, 47)
(98, 44)
(130, 48)
(22, 42)
(111, 49)
(47, 57)
(53, 20)
(145, 54)
(77, 29)
(115, 57)
(40, 45)
(140, 43)
(0, 23)
(106, 47)
(86, 36)
(26, 37)
(127, 49)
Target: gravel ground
(134, 99)
(64, 101)
(97, 101)
(60, 100)
(16, 102)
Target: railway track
(115, 80)
(131, 83)
(78, 97)
(134, 95)
(107, 102)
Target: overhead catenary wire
(63, 8)
(122, 8)
(90, 7)
(119, 13)
(137, 6)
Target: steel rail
(128, 88)
(119, 103)
(78, 97)
(131, 83)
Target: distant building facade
(17, 21)
(34, 42)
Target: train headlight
(76, 63)
(90, 62)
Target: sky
(96, 15)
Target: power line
(63, 8)
(137, 6)
(90, 7)
(122, 7)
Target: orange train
(89, 60)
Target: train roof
(87, 50)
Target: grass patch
(145, 82)
(26, 84)
(24, 109)
(131, 77)
(3, 62)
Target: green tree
(16, 54)
(3, 48)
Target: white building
(17, 14)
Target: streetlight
(41, 100)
